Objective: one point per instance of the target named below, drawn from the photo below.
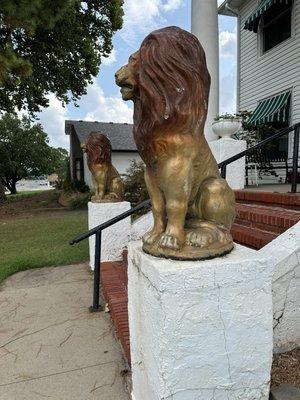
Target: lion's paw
(169, 242)
(150, 237)
(97, 198)
(200, 238)
(205, 236)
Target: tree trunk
(2, 191)
(13, 188)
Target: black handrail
(110, 222)
(222, 165)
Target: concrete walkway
(51, 347)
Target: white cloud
(143, 18)
(172, 5)
(228, 44)
(94, 106)
(53, 120)
(97, 107)
(111, 59)
(228, 93)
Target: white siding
(277, 70)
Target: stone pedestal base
(114, 238)
(200, 330)
(223, 149)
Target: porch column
(205, 27)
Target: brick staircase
(261, 217)
(114, 288)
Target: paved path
(51, 347)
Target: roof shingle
(120, 135)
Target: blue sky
(103, 101)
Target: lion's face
(98, 147)
(126, 78)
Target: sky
(103, 100)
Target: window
(78, 175)
(276, 25)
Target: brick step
(114, 287)
(272, 219)
(285, 200)
(251, 237)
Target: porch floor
(273, 188)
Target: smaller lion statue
(107, 182)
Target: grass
(11, 198)
(41, 241)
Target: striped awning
(274, 109)
(252, 22)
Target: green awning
(274, 109)
(252, 22)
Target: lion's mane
(98, 148)
(174, 85)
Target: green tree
(59, 161)
(24, 151)
(135, 186)
(52, 47)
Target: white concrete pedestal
(200, 330)
(223, 149)
(114, 238)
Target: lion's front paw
(170, 242)
(150, 237)
(97, 198)
(200, 238)
(111, 196)
(206, 234)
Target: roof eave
(230, 7)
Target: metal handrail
(222, 165)
(111, 222)
(296, 128)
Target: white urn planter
(225, 128)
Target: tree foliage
(135, 186)
(25, 152)
(52, 47)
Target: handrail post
(97, 261)
(223, 171)
(295, 159)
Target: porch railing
(222, 165)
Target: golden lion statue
(193, 207)
(106, 180)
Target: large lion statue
(107, 182)
(193, 207)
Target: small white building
(268, 75)
(121, 138)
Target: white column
(205, 27)
(115, 238)
(200, 330)
(223, 149)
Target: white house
(121, 138)
(268, 76)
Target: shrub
(135, 187)
(80, 200)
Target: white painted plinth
(223, 149)
(200, 330)
(285, 252)
(114, 238)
